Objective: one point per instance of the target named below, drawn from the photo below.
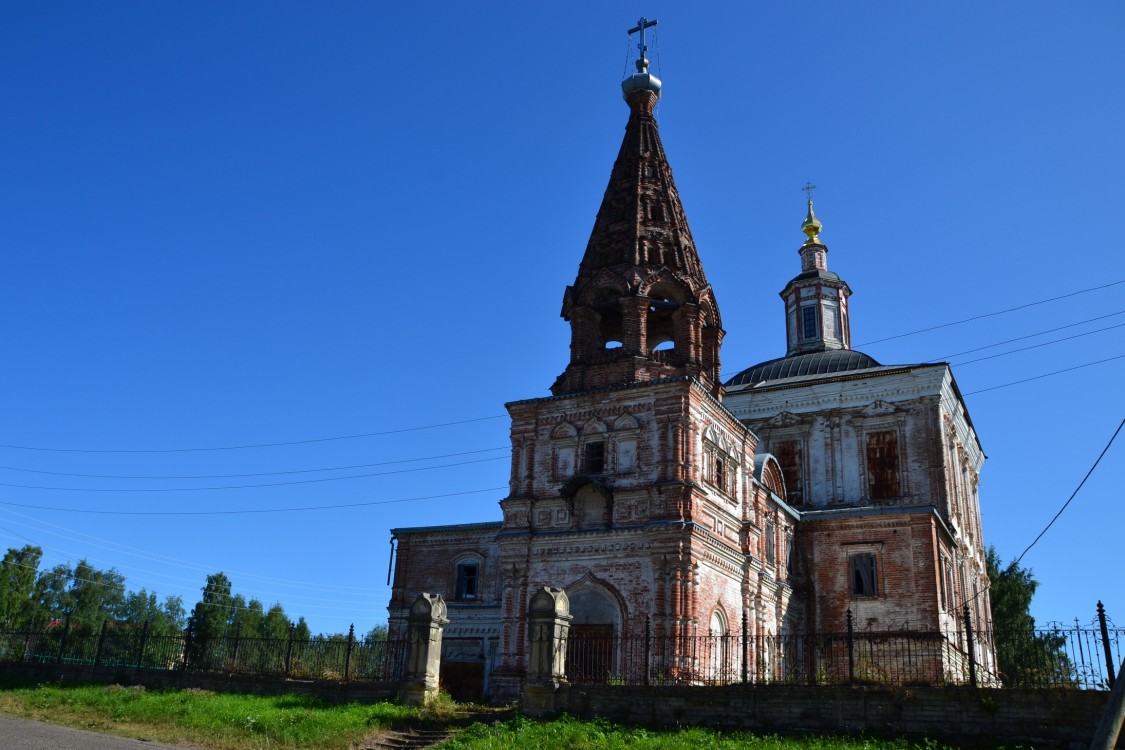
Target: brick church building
(670, 504)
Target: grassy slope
(244, 722)
(222, 722)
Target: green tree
(95, 596)
(275, 625)
(18, 572)
(163, 618)
(248, 616)
(52, 596)
(1026, 658)
(210, 618)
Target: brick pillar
(548, 622)
(689, 332)
(584, 336)
(425, 622)
(634, 311)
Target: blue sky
(259, 223)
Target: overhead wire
(167, 559)
(993, 314)
(948, 357)
(1044, 375)
(248, 486)
(1040, 345)
(255, 474)
(501, 416)
(1073, 494)
(318, 599)
(253, 511)
(247, 446)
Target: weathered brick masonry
(661, 498)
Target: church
(808, 494)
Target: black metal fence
(1075, 656)
(117, 645)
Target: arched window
(467, 582)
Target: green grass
(573, 734)
(223, 722)
(248, 722)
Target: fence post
(234, 650)
(101, 644)
(972, 648)
(648, 647)
(187, 643)
(65, 636)
(348, 653)
(851, 648)
(1105, 644)
(745, 647)
(289, 649)
(139, 660)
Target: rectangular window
(808, 322)
(882, 465)
(467, 579)
(771, 544)
(942, 566)
(720, 477)
(788, 456)
(862, 574)
(595, 457)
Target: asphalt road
(20, 734)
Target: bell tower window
(808, 322)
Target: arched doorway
(595, 632)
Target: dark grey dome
(813, 363)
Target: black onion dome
(813, 363)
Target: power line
(119, 548)
(1037, 346)
(1045, 375)
(245, 512)
(1073, 494)
(247, 486)
(948, 357)
(253, 445)
(993, 314)
(258, 474)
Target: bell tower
(640, 308)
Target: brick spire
(640, 308)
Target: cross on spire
(642, 24)
(808, 188)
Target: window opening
(595, 457)
(808, 322)
(882, 465)
(864, 581)
(771, 544)
(468, 575)
(789, 458)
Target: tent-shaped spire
(640, 308)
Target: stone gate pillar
(548, 622)
(425, 622)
